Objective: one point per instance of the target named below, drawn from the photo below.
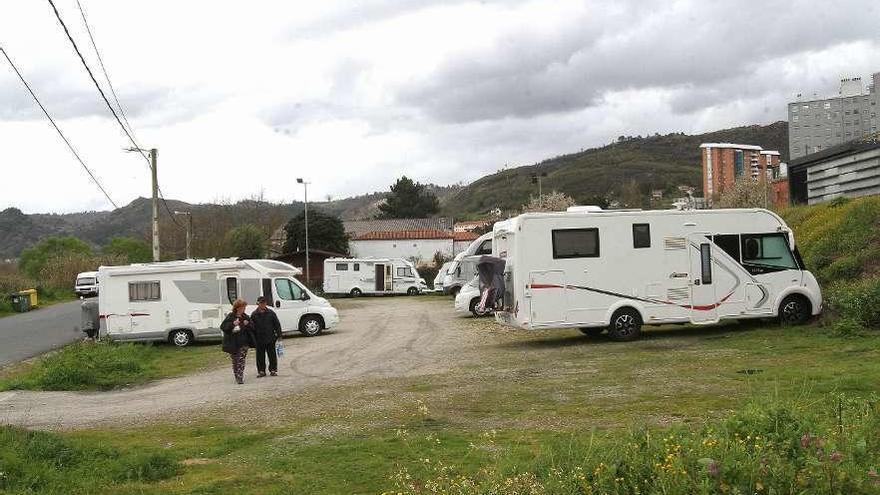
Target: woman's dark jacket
(267, 328)
(232, 342)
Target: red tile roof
(465, 236)
(388, 235)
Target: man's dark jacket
(267, 328)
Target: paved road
(29, 334)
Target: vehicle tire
(473, 307)
(180, 338)
(311, 325)
(626, 325)
(794, 310)
(592, 331)
(412, 291)
(355, 292)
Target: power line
(104, 96)
(52, 121)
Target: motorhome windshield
(86, 281)
(758, 253)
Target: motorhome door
(547, 296)
(704, 305)
(380, 277)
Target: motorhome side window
(641, 235)
(404, 271)
(706, 263)
(144, 291)
(287, 290)
(485, 247)
(575, 243)
(729, 243)
(357, 267)
(341, 267)
(766, 252)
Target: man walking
(267, 329)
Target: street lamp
(189, 228)
(299, 180)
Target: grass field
(105, 365)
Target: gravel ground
(377, 337)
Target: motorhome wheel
(592, 331)
(181, 338)
(412, 291)
(311, 326)
(626, 324)
(794, 310)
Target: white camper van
(619, 270)
(441, 274)
(463, 269)
(357, 276)
(183, 301)
(86, 284)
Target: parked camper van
(619, 270)
(463, 269)
(86, 284)
(468, 299)
(358, 276)
(183, 301)
(441, 274)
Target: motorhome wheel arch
(624, 269)
(185, 301)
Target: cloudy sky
(243, 97)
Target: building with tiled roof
(416, 239)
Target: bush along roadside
(88, 366)
(41, 462)
(828, 447)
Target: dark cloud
(634, 46)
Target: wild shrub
(858, 300)
(88, 366)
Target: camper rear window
(357, 267)
(576, 243)
(341, 267)
(144, 291)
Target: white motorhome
(467, 301)
(86, 284)
(358, 276)
(441, 274)
(184, 301)
(619, 270)
(463, 268)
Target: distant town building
(724, 163)
(461, 240)
(657, 194)
(416, 239)
(820, 123)
(470, 226)
(851, 169)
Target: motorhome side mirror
(304, 297)
(277, 304)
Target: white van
(184, 301)
(86, 284)
(620, 270)
(467, 301)
(358, 276)
(441, 274)
(463, 269)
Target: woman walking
(237, 337)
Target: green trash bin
(21, 303)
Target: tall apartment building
(814, 125)
(724, 163)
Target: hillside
(654, 162)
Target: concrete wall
(421, 249)
(851, 175)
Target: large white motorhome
(358, 276)
(184, 301)
(619, 270)
(463, 269)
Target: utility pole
(306, 203)
(189, 230)
(153, 153)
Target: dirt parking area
(381, 337)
